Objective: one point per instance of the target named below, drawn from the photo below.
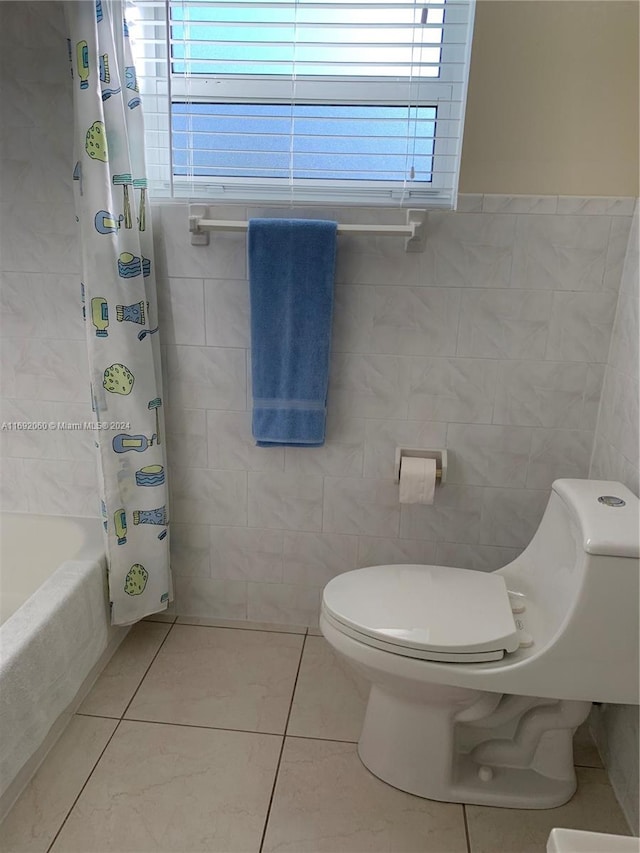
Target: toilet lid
(425, 608)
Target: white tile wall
(43, 356)
(493, 343)
(615, 457)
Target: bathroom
(511, 341)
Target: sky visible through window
(329, 141)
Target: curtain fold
(120, 307)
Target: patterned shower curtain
(120, 311)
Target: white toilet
(576, 841)
(479, 680)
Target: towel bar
(414, 231)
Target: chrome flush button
(611, 500)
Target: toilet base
(466, 746)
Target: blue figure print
(131, 313)
(154, 406)
(123, 443)
(150, 475)
(105, 76)
(129, 266)
(164, 597)
(82, 60)
(84, 306)
(70, 52)
(141, 184)
(131, 78)
(100, 316)
(107, 223)
(143, 334)
(124, 180)
(125, 28)
(98, 11)
(152, 516)
(133, 103)
(77, 176)
(106, 93)
(120, 526)
(103, 513)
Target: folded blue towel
(291, 269)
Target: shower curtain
(119, 296)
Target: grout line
(86, 782)
(284, 738)
(160, 621)
(135, 693)
(466, 827)
(323, 739)
(201, 727)
(96, 716)
(300, 633)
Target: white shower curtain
(120, 307)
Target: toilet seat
(428, 612)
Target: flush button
(611, 500)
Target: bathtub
(55, 635)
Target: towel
(291, 270)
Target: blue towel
(291, 269)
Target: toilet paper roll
(417, 480)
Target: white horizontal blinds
(300, 99)
(147, 21)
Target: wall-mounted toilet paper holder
(439, 455)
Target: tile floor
(199, 737)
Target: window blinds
(310, 100)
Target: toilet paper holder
(439, 455)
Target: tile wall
(43, 361)
(615, 457)
(492, 343)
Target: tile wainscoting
(493, 343)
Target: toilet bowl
(479, 680)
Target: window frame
(439, 92)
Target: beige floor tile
(593, 808)
(585, 752)
(241, 623)
(330, 698)
(37, 815)
(177, 789)
(327, 802)
(120, 678)
(216, 677)
(314, 631)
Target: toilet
(479, 680)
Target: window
(312, 100)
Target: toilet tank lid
(607, 528)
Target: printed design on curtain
(120, 307)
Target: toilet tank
(580, 579)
